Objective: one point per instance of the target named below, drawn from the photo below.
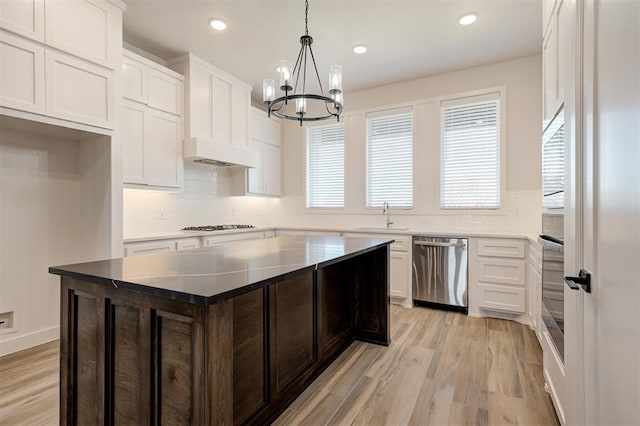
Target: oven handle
(437, 244)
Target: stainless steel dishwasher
(440, 271)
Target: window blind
(553, 168)
(390, 159)
(325, 166)
(470, 154)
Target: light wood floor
(441, 368)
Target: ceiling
(406, 39)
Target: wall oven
(552, 307)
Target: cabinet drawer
(501, 298)
(136, 249)
(188, 243)
(21, 74)
(501, 271)
(400, 243)
(501, 248)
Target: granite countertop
(205, 275)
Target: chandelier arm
(315, 67)
(304, 72)
(297, 66)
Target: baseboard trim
(28, 340)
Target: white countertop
(390, 231)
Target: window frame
(388, 111)
(501, 91)
(306, 128)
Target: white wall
(521, 206)
(204, 200)
(55, 199)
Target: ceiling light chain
(332, 104)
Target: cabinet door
(89, 29)
(78, 91)
(201, 105)
(399, 262)
(256, 176)
(24, 17)
(272, 170)
(21, 74)
(258, 123)
(164, 92)
(162, 149)
(549, 75)
(240, 104)
(133, 135)
(274, 132)
(134, 80)
(221, 119)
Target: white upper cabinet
(84, 28)
(58, 60)
(216, 103)
(554, 57)
(266, 177)
(78, 91)
(151, 123)
(21, 74)
(24, 17)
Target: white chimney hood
(207, 151)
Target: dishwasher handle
(437, 244)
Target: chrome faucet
(387, 212)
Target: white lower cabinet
(399, 265)
(497, 275)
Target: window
(325, 166)
(390, 158)
(553, 165)
(470, 153)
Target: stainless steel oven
(552, 307)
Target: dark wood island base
(134, 357)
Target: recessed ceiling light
(468, 18)
(359, 49)
(217, 24)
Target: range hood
(207, 151)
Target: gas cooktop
(209, 228)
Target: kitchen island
(228, 334)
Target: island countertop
(206, 275)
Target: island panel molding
(132, 354)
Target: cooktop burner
(216, 227)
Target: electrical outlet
(161, 215)
(235, 212)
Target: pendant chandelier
(297, 104)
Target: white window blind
(325, 166)
(390, 158)
(553, 166)
(470, 154)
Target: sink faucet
(387, 212)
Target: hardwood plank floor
(442, 368)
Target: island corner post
(145, 357)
